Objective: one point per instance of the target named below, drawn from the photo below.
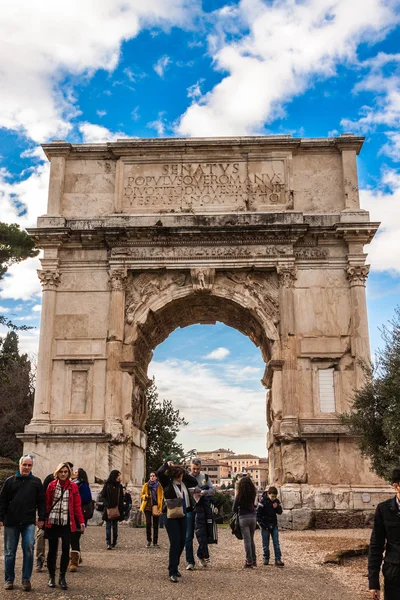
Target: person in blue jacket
(81, 479)
(267, 510)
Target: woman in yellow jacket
(152, 498)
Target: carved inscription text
(187, 186)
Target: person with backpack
(267, 510)
(111, 496)
(64, 516)
(199, 520)
(21, 497)
(81, 480)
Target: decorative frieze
(311, 253)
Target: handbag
(174, 508)
(235, 526)
(88, 510)
(154, 511)
(113, 512)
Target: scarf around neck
(59, 513)
(181, 493)
(153, 486)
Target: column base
(330, 507)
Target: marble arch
(265, 234)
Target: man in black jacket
(386, 531)
(20, 497)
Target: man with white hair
(21, 497)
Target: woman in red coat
(63, 507)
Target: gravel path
(133, 572)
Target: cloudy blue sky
(94, 71)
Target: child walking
(267, 510)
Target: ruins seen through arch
(264, 234)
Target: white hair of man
(24, 456)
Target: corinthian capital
(286, 276)
(357, 274)
(117, 279)
(49, 279)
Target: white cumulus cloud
(287, 45)
(161, 65)
(218, 354)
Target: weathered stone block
(285, 520)
(294, 462)
(324, 499)
(290, 498)
(302, 518)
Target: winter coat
(112, 496)
(166, 482)
(74, 503)
(146, 502)
(386, 530)
(266, 513)
(20, 498)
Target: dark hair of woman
(113, 476)
(246, 492)
(175, 471)
(82, 476)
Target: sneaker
(266, 561)
(26, 586)
(109, 547)
(173, 578)
(247, 565)
(148, 544)
(208, 560)
(203, 562)
(156, 545)
(190, 567)
(9, 585)
(279, 563)
(178, 574)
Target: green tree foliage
(376, 405)
(15, 246)
(162, 426)
(224, 503)
(16, 395)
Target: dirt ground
(132, 571)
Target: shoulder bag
(235, 526)
(174, 508)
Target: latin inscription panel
(204, 186)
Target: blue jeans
(112, 526)
(190, 518)
(265, 535)
(11, 539)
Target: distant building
(216, 470)
(219, 454)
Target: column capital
(49, 279)
(117, 279)
(287, 275)
(357, 274)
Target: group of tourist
(61, 506)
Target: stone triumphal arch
(262, 233)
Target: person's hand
(170, 463)
(82, 527)
(275, 505)
(40, 524)
(375, 594)
(1, 523)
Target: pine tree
(162, 427)
(375, 419)
(16, 395)
(15, 246)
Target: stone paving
(132, 571)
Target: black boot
(52, 581)
(62, 583)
